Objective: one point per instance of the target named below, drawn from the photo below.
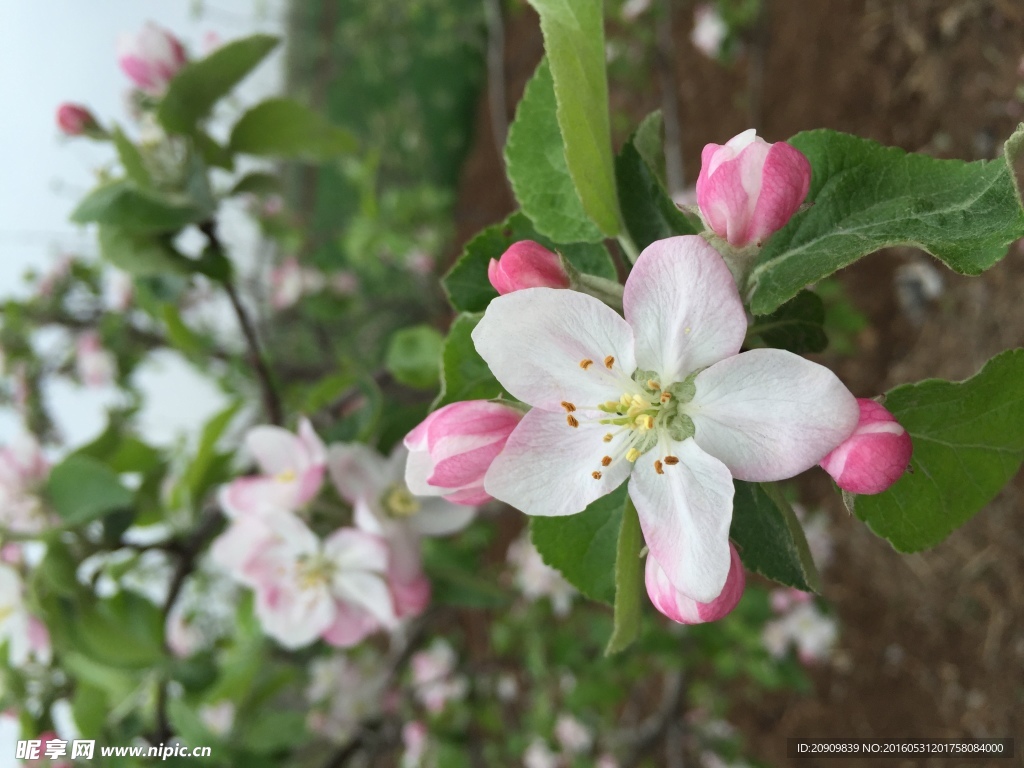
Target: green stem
(628, 578)
(628, 247)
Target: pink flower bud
(75, 119)
(452, 449)
(151, 58)
(748, 188)
(526, 264)
(678, 607)
(875, 456)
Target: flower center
(288, 476)
(314, 571)
(398, 502)
(648, 414)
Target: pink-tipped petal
(786, 181)
(535, 340)
(547, 467)
(685, 512)
(685, 610)
(768, 414)
(684, 308)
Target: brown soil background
(932, 645)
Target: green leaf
(537, 169)
(130, 158)
(968, 443)
(257, 183)
(200, 84)
(647, 210)
(798, 325)
(125, 632)
(81, 489)
(213, 153)
(866, 196)
(273, 730)
(769, 538)
(283, 127)
(1013, 153)
(574, 42)
(414, 356)
(464, 374)
(132, 209)
(629, 579)
(582, 547)
(467, 285)
(203, 472)
(180, 335)
(140, 254)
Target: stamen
(652, 384)
(687, 329)
(632, 454)
(609, 362)
(657, 467)
(666, 396)
(572, 421)
(596, 475)
(569, 407)
(644, 422)
(584, 364)
(607, 438)
(605, 461)
(671, 460)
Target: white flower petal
(368, 591)
(276, 450)
(769, 414)
(438, 517)
(682, 303)
(534, 340)
(546, 467)
(354, 550)
(358, 471)
(418, 468)
(685, 515)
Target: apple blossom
(748, 189)
(662, 397)
(527, 264)
(292, 466)
(75, 119)
(307, 588)
(25, 636)
(875, 456)
(343, 692)
(384, 506)
(95, 365)
(433, 675)
(572, 735)
(151, 57)
(709, 30)
(414, 743)
(218, 718)
(23, 470)
(685, 610)
(539, 755)
(452, 449)
(812, 632)
(783, 600)
(536, 579)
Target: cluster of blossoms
(535, 579)
(663, 395)
(574, 740)
(355, 580)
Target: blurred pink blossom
(434, 680)
(151, 57)
(96, 366)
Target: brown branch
(271, 400)
(647, 735)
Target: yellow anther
(398, 502)
(632, 454)
(671, 460)
(640, 401)
(644, 421)
(569, 407)
(288, 476)
(666, 396)
(607, 438)
(596, 475)
(606, 460)
(657, 467)
(609, 362)
(611, 406)
(572, 421)
(584, 364)
(687, 329)
(652, 384)
(625, 401)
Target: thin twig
(271, 400)
(496, 74)
(647, 735)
